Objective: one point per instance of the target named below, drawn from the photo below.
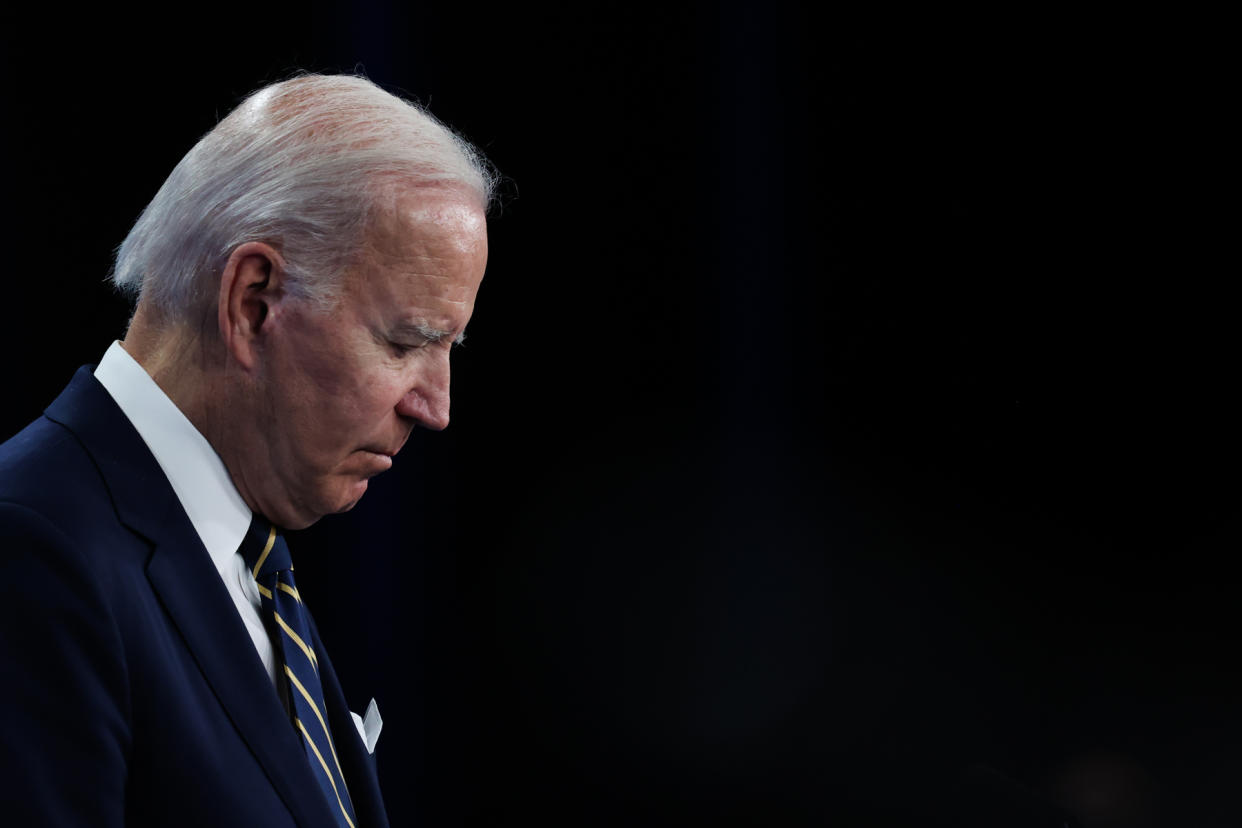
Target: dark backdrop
(847, 402)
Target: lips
(373, 462)
(386, 452)
(386, 449)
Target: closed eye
(422, 336)
(402, 348)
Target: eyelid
(426, 335)
(405, 347)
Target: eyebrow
(429, 333)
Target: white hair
(300, 165)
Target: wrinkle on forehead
(422, 262)
(442, 224)
(461, 224)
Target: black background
(847, 401)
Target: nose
(427, 399)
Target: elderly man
(301, 278)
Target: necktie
(267, 555)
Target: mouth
(376, 448)
(380, 458)
(382, 454)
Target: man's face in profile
(341, 390)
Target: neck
(176, 357)
(191, 367)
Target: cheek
(318, 413)
(324, 377)
(382, 396)
(336, 396)
(330, 387)
(324, 359)
(355, 406)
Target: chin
(350, 498)
(331, 502)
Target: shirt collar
(195, 471)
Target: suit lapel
(214, 633)
(189, 586)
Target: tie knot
(263, 548)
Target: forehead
(426, 222)
(424, 245)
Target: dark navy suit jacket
(130, 692)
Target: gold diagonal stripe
(264, 591)
(314, 707)
(271, 539)
(311, 702)
(297, 639)
(290, 589)
(324, 765)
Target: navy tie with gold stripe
(267, 555)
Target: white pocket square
(369, 728)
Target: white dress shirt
(198, 476)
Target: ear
(251, 285)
